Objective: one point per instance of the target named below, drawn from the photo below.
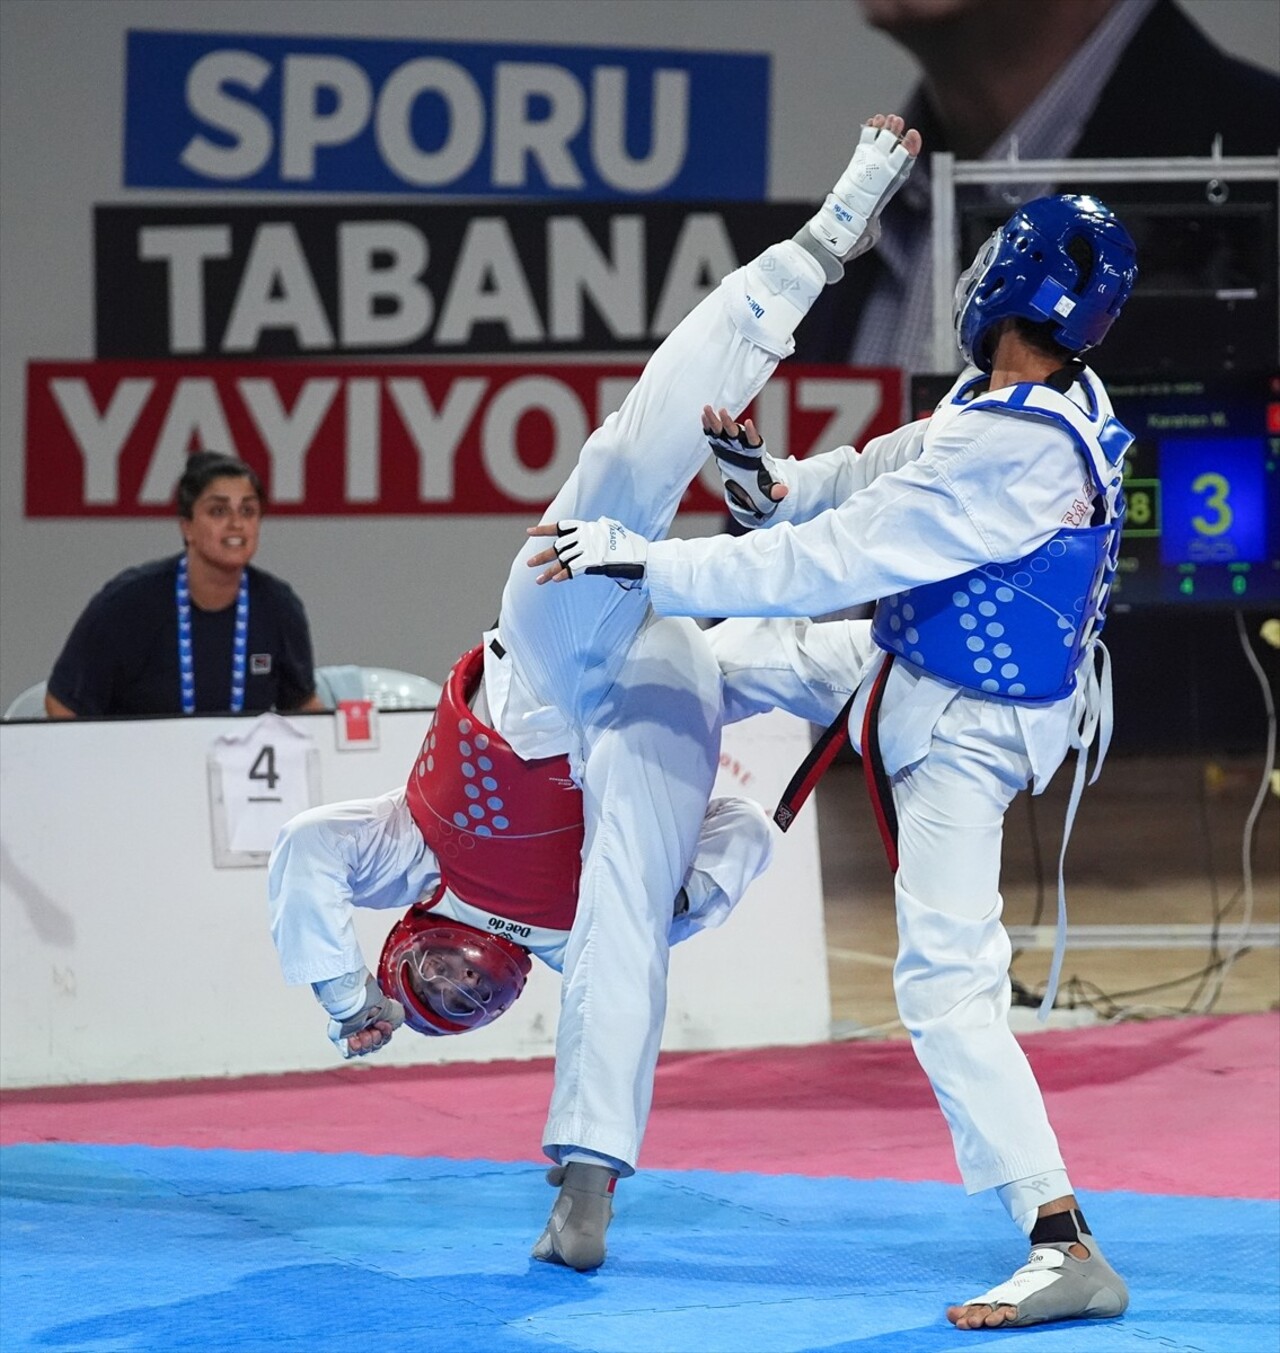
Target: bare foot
(978, 1316)
(911, 139)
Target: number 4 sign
(258, 780)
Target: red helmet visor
(449, 977)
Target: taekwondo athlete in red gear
(633, 701)
(474, 822)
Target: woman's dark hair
(203, 468)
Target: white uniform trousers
(640, 699)
(951, 977)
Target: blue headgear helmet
(1065, 260)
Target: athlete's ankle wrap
(1061, 1226)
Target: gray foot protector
(1054, 1285)
(574, 1234)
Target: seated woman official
(202, 632)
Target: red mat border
(1188, 1106)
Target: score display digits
(1202, 483)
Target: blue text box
(1214, 500)
(226, 111)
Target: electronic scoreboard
(1202, 481)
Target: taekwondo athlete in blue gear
(987, 533)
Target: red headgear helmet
(450, 977)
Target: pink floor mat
(1188, 1106)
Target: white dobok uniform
(634, 700)
(856, 527)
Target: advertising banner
(413, 277)
(110, 438)
(219, 111)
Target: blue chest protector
(1019, 630)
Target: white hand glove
(849, 221)
(377, 1009)
(749, 473)
(603, 547)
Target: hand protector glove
(377, 1009)
(849, 222)
(749, 474)
(602, 547)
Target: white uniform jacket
(858, 526)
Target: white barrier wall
(125, 955)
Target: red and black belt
(825, 751)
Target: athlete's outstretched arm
(327, 860)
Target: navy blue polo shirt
(122, 656)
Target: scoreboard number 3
(1216, 488)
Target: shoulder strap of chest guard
(1100, 437)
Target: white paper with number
(258, 780)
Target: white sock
(1023, 1198)
(579, 1155)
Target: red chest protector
(507, 833)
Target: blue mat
(112, 1248)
